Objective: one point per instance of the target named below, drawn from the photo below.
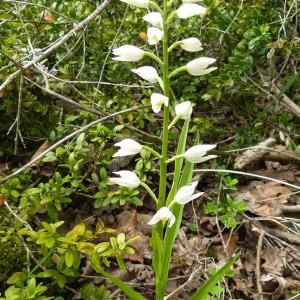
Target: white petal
(157, 100)
(187, 10)
(196, 153)
(184, 110)
(127, 178)
(155, 19)
(163, 214)
(191, 45)
(137, 3)
(147, 73)
(154, 35)
(128, 53)
(202, 159)
(198, 66)
(184, 194)
(128, 147)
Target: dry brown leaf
(1, 199)
(40, 150)
(127, 223)
(264, 199)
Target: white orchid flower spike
(186, 194)
(154, 35)
(196, 154)
(128, 53)
(128, 147)
(127, 178)
(163, 214)
(187, 10)
(147, 73)
(137, 3)
(191, 45)
(184, 110)
(199, 66)
(155, 19)
(157, 101)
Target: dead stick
(258, 260)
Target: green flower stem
(171, 16)
(174, 45)
(177, 71)
(174, 158)
(152, 151)
(179, 161)
(174, 121)
(154, 5)
(166, 84)
(147, 188)
(153, 56)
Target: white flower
(163, 214)
(191, 1)
(157, 100)
(199, 66)
(137, 3)
(128, 147)
(147, 73)
(186, 194)
(184, 110)
(196, 153)
(128, 53)
(155, 19)
(127, 178)
(191, 44)
(187, 10)
(154, 35)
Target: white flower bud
(199, 66)
(196, 153)
(191, 44)
(127, 178)
(154, 35)
(155, 19)
(186, 194)
(157, 100)
(128, 53)
(147, 73)
(184, 110)
(128, 147)
(163, 214)
(137, 3)
(187, 10)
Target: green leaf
(69, 258)
(209, 285)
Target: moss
(38, 117)
(12, 257)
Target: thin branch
(56, 45)
(67, 138)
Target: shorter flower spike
(157, 101)
(184, 110)
(147, 73)
(154, 35)
(186, 194)
(128, 147)
(163, 214)
(128, 53)
(137, 3)
(127, 178)
(196, 154)
(187, 10)
(191, 44)
(199, 66)
(155, 19)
